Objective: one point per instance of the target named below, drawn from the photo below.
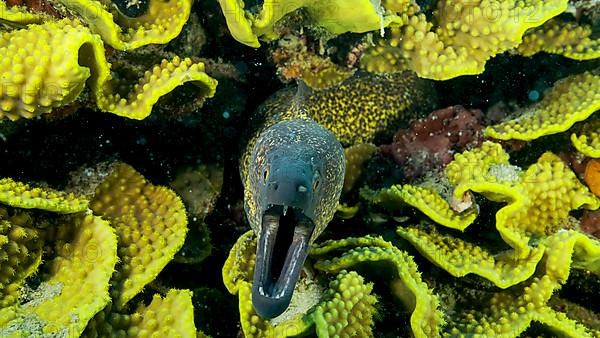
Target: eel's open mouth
(280, 255)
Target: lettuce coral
(459, 39)
(570, 100)
(587, 141)
(160, 23)
(541, 196)
(84, 260)
(336, 17)
(43, 77)
(565, 38)
(22, 195)
(151, 223)
(510, 313)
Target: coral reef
(151, 222)
(460, 37)
(570, 100)
(430, 142)
(78, 282)
(565, 38)
(438, 233)
(41, 77)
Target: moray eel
(293, 168)
(292, 183)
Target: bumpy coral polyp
(592, 176)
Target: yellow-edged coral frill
(20, 256)
(539, 197)
(39, 77)
(337, 17)
(570, 100)
(460, 38)
(157, 82)
(565, 38)
(428, 201)
(21, 195)
(162, 21)
(151, 225)
(460, 258)
(76, 286)
(587, 141)
(171, 316)
(509, 313)
(426, 318)
(19, 15)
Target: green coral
(426, 318)
(78, 284)
(161, 22)
(20, 252)
(84, 261)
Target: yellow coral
(539, 197)
(426, 318)
(337, 17)
(588, 141)
(21, 195)
(509, 313)
(151, 225)
(162, 21)
(428, 201)
(350, 301)
(20, 254)
(161, 80)
(460, 258)
(171, 316)
(465, 35)
(570, 100)
(83, 263)
(41, 77)
(565, 38)
(19, 15)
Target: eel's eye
(266, 174)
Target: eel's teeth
(285, 209)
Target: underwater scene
(299, 168)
